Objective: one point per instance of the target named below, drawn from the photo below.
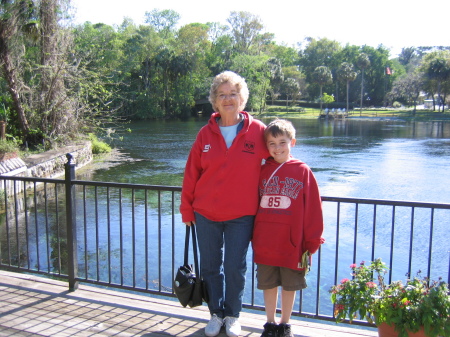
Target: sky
(393, 23)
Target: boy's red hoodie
(289, 219)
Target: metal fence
(131, 237)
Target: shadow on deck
(36, 306)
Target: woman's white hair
(233, 79)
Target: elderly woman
(220, 196)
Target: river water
(355, 158)
(360, 158)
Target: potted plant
(418, 307)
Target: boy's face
(280, 147)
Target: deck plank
(36, 306)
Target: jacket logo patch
(207, 148)
(249, 146)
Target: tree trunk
(362, 93)
(10, 76)
(321, 99)
(52, 86)
(348, 86)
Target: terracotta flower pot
(385, 330)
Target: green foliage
(96, 73)
(4, 112)
(98, 146)
(8, 146)
(408, 306)
(327, 99)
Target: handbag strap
(194, 247)
(186, 245)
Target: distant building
(428, 103)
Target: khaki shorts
(269, 277)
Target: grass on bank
(11, 146)
(297, 112)
(98, 146)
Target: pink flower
(344, 280)
(353, 265)
(371, 284)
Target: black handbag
(188, 285)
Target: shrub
(8, 146)
(98, 146)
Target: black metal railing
(130, 236)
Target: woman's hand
(189, 223)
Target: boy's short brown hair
(279, 127)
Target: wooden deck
(36, 306)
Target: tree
(294, 73)
(54, 107)
(327, 99)
(256, 71)
(245, 29)
(408, 87)
(438, 69)
(218, 58)
(16, 17)
(363, 63)
(318, 53)
(347, 74)
(288, 56)
(292, 89)
(376, 83)
(101, 60)
(322, 76)
(163, 21)
(407, 55)
(276, 77)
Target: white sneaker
(214, 325)
(232, 326)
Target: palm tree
(276, 76)
(347, 73)
(322, 76)
(439, 70)
(291, 88)
(363, 63)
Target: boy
(288, 226)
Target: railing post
(71, 224)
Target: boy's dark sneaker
(270, 330)
(284, 330)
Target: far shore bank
(375, 114)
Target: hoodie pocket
(273, 238)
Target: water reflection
(350, 157)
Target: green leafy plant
(417, 303)
(8, 146)
(98, 146)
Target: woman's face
(228, 99)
